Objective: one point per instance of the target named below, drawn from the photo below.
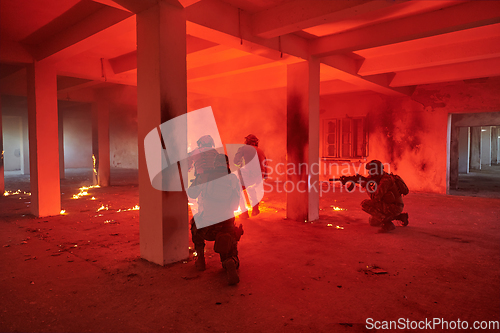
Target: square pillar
(486, 145)
(463, 150)
(161, 96)
(475, 148)
(26, 147)
(43, 140)
(302, 185)
(494, 145)
(62, 173)
(2, 174)
(100, 143)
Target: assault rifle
(353, 180)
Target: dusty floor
(82, 272)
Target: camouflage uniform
(203, 159)
(385, 202)
(244, 155)
(217, 203)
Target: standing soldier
(248, 179)
(386, 201)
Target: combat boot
(403, 217)
(388, 226)
(200, 260)
(255, 210)
(232, 275)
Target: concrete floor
(82, 272)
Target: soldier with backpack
(386, 198)
(220, 193)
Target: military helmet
(374, 167)
(205, 141)
(251, 140)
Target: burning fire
(337, 208)
(102, 208)
(93, 160)
(84, 191)
(7, 193)
(336, 227)
(62, 212)
(136, 207)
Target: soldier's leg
(391, 211)
(252, 196)
(375, 210)
(226, 245)
(199, 246)
(243, 205)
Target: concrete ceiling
(384, 46)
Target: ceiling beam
(14, 53)
(447, 73)
(302, 14)
(208, 56)
(346, 68)
(98, 27)
(235, 30)
(462, 16)
(229, 67)
(486, 48)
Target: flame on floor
(136, 207)
(102, 208)
(7, 193)
(84, 191)
(62, 212)
(335, 208)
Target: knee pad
(223, 243)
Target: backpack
(400, 184)
(224, 190)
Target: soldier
(386, 201)
(249, 180)
(220, 191)
(203, 157)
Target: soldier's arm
(382, 188)
(238, 157)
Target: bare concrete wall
(475, 148)
(410, 133)
(77, 134)
(123, 147)
(12, 142)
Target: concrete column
(2, 175)
(452, 155)
(494, 145)
(475, 148)
(25, 147)
(43, 140)
(161, 96)
(100, 142)
(463, 150)
(498, 145)
(62, 173)
(303, 140)
(486, 145)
